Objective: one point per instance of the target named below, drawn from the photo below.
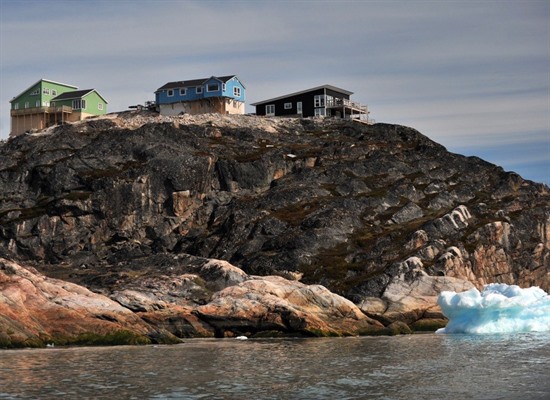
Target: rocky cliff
(377, 219)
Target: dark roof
(75, 94)
(334, 88)
(193, 82)
(78, 94)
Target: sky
(472, 75)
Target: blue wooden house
(217, 94)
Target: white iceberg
(499, 308)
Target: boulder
(35, 310)
(273, 303)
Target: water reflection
(418, 366)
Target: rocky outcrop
(378, 214)
(273, 303)
(35, 310)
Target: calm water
(404, 367)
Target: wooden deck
(350, 109)
(41, 110)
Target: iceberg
(499, 308)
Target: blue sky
(471, 75)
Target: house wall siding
(92, 101)
(216, 93)
(42, 98)
(229, 89)
(190, 95)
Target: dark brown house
(323, 100)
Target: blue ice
(499, 308)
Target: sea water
(421, 366)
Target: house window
(100, 106)
(35, 92)
(237, 91)
(79, 104)
(288, 106)
(319, 100)
(270, 109)
(170, 93)
(37, 104)
(299, 107)
(16, 106)
(183, 91)
(320, 112)
(45, 91)
(54, 92)
(26, 104)
(199, 89)
(223, 87)
(213, 87)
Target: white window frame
(170, 93)
(212, 85)
(320, 112)
(183, 91)
(270, 109)
(223, 87)
(319, 100)
(54, 92)
(79, 104)
(16, 106)
(35, 92)
(100, 106)
(26, 104)
(299, 108)
(37, 103)
(198, 89)
(288, 106)
(46, 91)
(236, 91)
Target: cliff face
(378, 214)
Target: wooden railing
(336, 102)
(42, 110)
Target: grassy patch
(116, 338)
(429, 325)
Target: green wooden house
(47, 103)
